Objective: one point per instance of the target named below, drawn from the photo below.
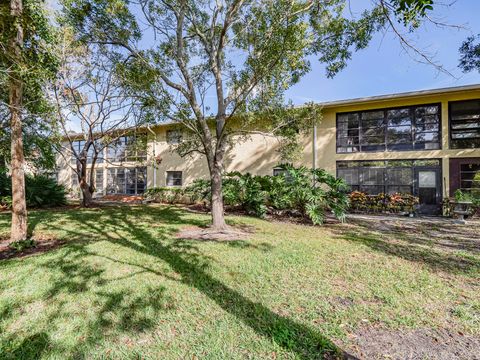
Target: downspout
(154, 156)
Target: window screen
(389, 177)
(395, 129)
(174, 178)
(130, 181)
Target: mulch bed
(232, 233)
(128, 199)
(43, 243)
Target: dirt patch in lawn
(43, 243)
(232, 233)
(378, 343)
(441, 244)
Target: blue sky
(383, 67)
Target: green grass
(122, 286)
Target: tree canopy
(244, 54)
(470, 54)
(36, 69)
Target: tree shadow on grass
(407, 247)
(30, 348)
(184, 259)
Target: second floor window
(127, 148)
(78, 146)
(174, 137)
(465, 124)
(395, 129)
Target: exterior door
(429, 190)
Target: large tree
(242, 53)
(26, 62)
(88, 93)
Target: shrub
(40, 191)
(6, 202)
(245, 190)
(199, 191)
(312, 192)
(22, 245)
(43, 191)
(168, 195)
(278, 195)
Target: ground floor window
(465, 175)
(279, 171)
(174, 178)
(421, 178)
(131, 181)
(74, 180)
(99, 181)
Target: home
(425, 143)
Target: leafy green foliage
(41, 191)
(310, 193)
(168, 195)
(22, 245)
(313, 192)
(410, 12)
(37, 68)
(470, 54)
(465, 196)
(246, 191)
(199, 191)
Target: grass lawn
(122, 286)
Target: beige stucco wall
(258, 154)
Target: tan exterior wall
(326, 144)
(258, 155)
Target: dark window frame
(78, 146)
(118, 151)
(127, 171)
(385, 126)
(174, 179)
(456, 171)
(387, 182)
(451, 140)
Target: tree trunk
(87, 194)
(218, 217)
(19, 207)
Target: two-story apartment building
(425, 143)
